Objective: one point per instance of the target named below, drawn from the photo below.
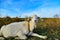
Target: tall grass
(49, 27)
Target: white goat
(21, 29)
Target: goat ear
(29, 18)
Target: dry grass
(49, 27)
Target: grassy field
(49, 27)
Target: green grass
(51, 32)
(49, 27)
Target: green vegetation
(49, 27)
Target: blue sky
(42, 8)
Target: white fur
(14, 29)
(18, 29)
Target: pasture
(49, 27)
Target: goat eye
(36, 18)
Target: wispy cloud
(47, 9)
(44, 12)
(43, 8)
(5, 12)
